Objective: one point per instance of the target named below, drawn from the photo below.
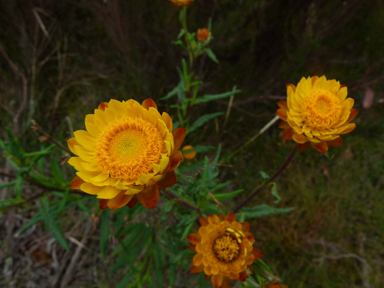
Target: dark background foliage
(59, 59)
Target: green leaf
(9, 184)
(8, 202)
(202, 282)
(104, 232)
(52, 225)
(264, 175)
(202, 120)
(209, 208)
(199, 149)
(172, 93)
(186, 231)
(275, 194)
(211, 55)
(211, 97)
(262, 211)
(125, 281)
(190, 168)
(57, 172)
(223, 196)
(181, 34)
(329, 155)
(19, 184)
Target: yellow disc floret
(128, 148)
(321, 109)
(226, 248)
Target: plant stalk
(285, 164)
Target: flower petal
(108, 192)
(168, 180)
(217, 280)
(196, 269)
(282, 114)
(283, 105)
(203, 221)
(246, 226)
(149, 103)
(103, 105)
(243, 276)
(226, 282)
(213, 219)
(132, 203)
(337, 142)
(103, 203)
(230, 217)
(305, 146)
(194, 238)
(287, 134)
(321, 147)
(197, 259)
(178, 137)
(257, 253)
(76, 183)
(167, 120)
(149, 196)
(301, 139)
(352, 116)
(119, 201)
(174, 161)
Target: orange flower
(127, 154)
(190, 155)
(223, 249)
(276, 285)
(316, 113)
(181, 2)
(203, 35)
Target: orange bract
(181, 2)
(190, 155)
(203, 35)
(223, 249)
(316, 113)
(127, 154)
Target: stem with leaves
(285, 164)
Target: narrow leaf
(211, 55)
(202, 120)
(211, 97)
(262, 211)
(57, 172)
(52, 225)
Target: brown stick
(37, 127)
(180, 201)
(274, 176)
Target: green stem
(185, 27)
(285, 164)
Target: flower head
(190, 155)
(127, 153)
(181, 2)
(223, 249)
(203, 35)
(316, 113)
(276, 285)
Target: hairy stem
(36, 127)
(180, 201)
(285, 164)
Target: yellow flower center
(321, 109)
(226, 248)
(128, 148)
